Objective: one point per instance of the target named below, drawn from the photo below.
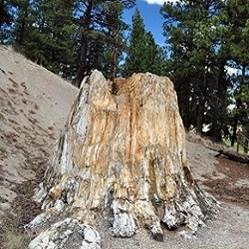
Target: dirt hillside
(34, 104)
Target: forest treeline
(206, 50)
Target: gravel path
(230, 230)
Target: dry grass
(12, 232)
(11, 238)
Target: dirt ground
(234, 187)
(227, 180)
(34, 105)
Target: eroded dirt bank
(34, 104)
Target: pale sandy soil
(34, 104)
(228, 231)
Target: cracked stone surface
(69, 234)
(122, 156)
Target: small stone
(187, 235)
(40, 193)
(62, 236)
(59, 205)
(90, 235)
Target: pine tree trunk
(82, 66)
(114, 63)
(201, 104)
(234, 132)
(20, 32)
(123, 157)
(238, 106)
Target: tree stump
(122, 157)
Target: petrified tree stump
(123, 157)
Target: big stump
(122, 158)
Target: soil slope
(34, 104)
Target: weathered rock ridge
(122, 158)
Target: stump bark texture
(122, 158)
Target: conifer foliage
(207, 40)
(69, 37)
(73, 37)
(143, 54)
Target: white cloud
(160, 2)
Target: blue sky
(150, 10)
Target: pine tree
(116, 42)
(100, 36)
(235, 17)
(7, 20)
(69, 37)
(44, 32)
(142, 53)
(5, 16)
(198, 59)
